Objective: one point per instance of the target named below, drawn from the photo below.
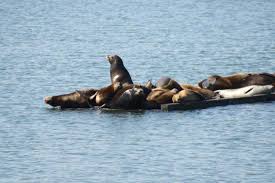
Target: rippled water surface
(54, 47)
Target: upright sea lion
(105, 94)
(118, 72)
(236, 81)
(161, 96)
(168, 83)
(247, 91)
(77, 99)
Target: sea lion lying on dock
(77, 99)
(187, 95)
(236, 81)
(104, 95)
(247, 91)
(205, 93)
(161, 96)
(129, 97)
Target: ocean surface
(56, 47)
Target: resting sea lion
(168, 83)
(130, 97)
(161, 96)
(105, 94)
(207, 94)
(187, 95)
(247, 91)
(117, 71)
(236, 81)
(77, 99)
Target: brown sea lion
(104, 95)
(187, 95)
(118, 72)
(77, 99)
(207, 94)
(236, 81)
(150, 85)
(168, 83)
(161, 96)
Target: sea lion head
(114, 59)
(215, 82)
(50, 100)
(168, 83)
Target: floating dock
(217, 102)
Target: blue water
(55, 47)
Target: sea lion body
(187, 95)
(207, 94)
(130, 97)
(77, 99)
(105, 94)
(247, 91)
(118, 72)
(161, 96)
(236, 81)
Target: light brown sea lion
(118, 72)
(236, 81)
(161, 96)
(168, 83)
(105, 94)
(77, 99)
(207, 94)
(187, 95)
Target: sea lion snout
(48, 99)
(109, 57)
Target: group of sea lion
(122, 93)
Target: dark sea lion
(236, 81)
(168, 83)
(129, 97)
(104, 95)
(77, 99)
(161, 96)
(257, 79)
(187, 95)
(118, 72)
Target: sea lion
(161, 96)
(168, 83)
(77, 99)
(207, 94)
(118, 72)
(247, 91)
(150, 85)
(236, 81)
(129, 97)
(187, 95)
(104, 95)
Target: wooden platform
(217, 102)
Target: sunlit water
(55, 47)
